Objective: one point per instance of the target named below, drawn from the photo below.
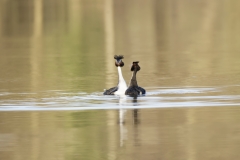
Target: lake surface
(56, 59)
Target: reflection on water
(57, 57)
(179, 120)
(188, 132)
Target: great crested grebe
(122, 86)
(133, 89)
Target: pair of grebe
(122, 89)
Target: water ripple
(155, 98)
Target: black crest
(135, 66)
(118, 57)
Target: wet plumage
(135, 91)
(110, 91)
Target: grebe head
(119, 61)
(135, 66)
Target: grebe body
(133, 89)
(122, 86)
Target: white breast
(122, 86)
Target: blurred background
(68, 46)
(47, 45)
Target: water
(56, 58)
(157, 97)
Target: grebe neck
(134, 79)
(120, 76)
(122, 86)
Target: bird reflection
(122, 113)
(123, 132)
(136, 122)
(135, 112)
